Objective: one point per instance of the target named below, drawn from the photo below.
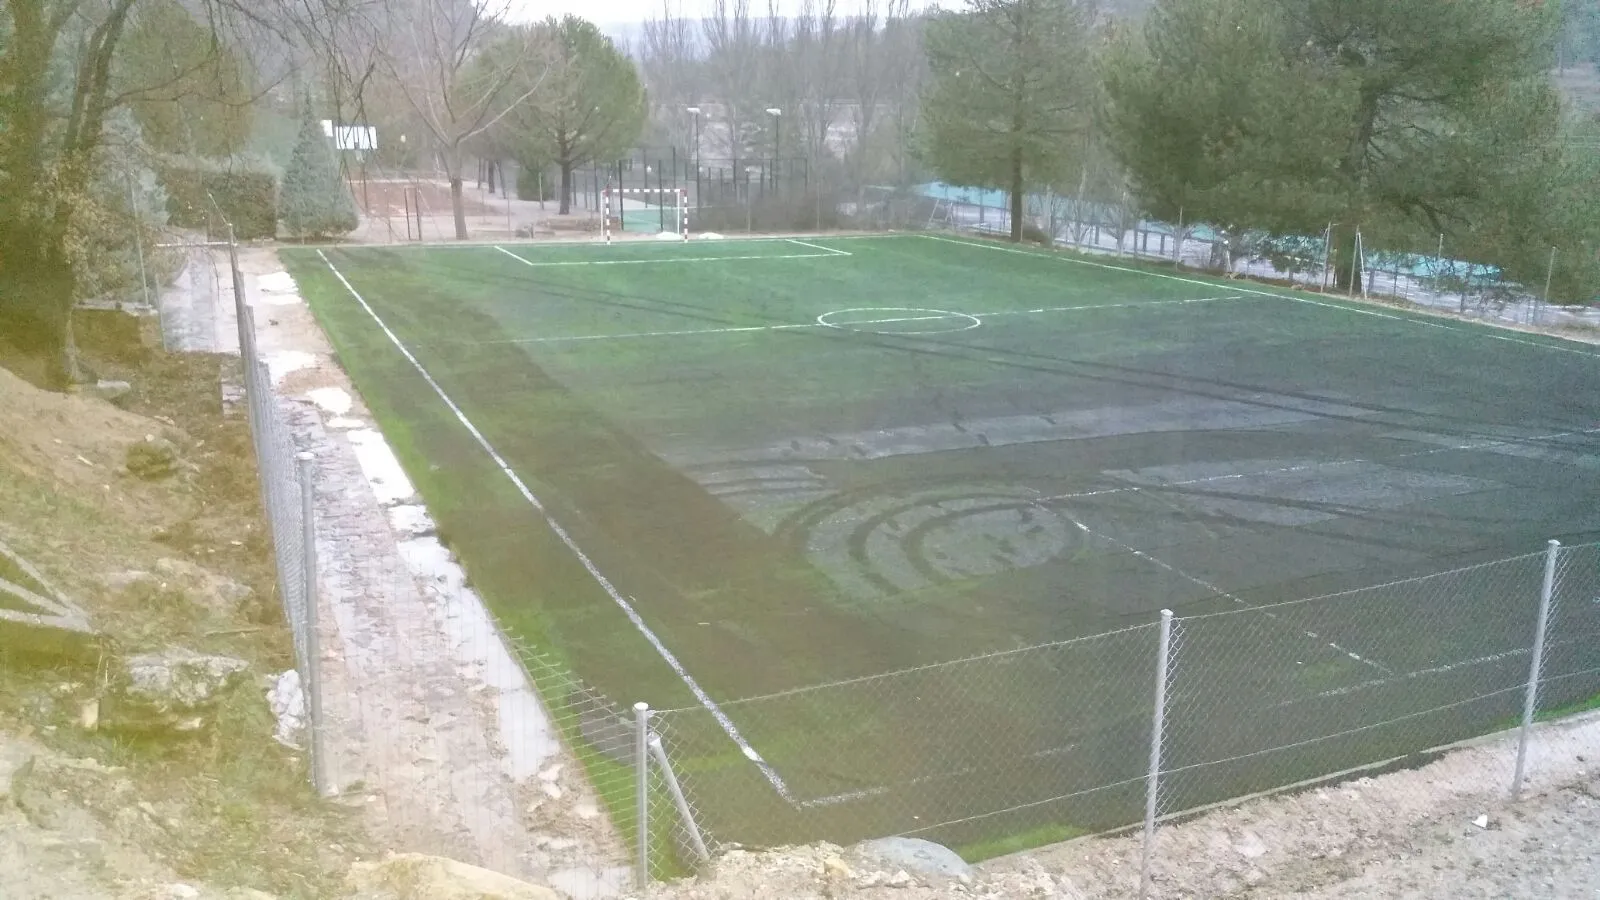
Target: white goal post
(680, 215)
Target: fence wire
(1046, 743)
(284, 492)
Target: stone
(115, 393)
(16, 761)
(152, 459)
(288, 704)
(417, 876)
(182, 891)
(914, 855)
(834, 867)
(612, 881)
(900, 879)
(175, 690)
(1250, 846)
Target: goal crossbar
(680, 216)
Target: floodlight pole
(777, 141)
(695, 111)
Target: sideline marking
(633, 616)
(1306, 300)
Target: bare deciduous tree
(430, 58)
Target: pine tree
(315, 201)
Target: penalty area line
(801, 243)
(731, 730)
(665, 259)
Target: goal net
(676, 199)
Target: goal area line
(821, 253)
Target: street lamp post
(695, 111)
(777, 141)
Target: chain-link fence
(1028, 746)
(1426, 273)
(286, 495)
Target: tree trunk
(35, 310)
(492, 166)
(459, 207)
(1016, 194)
(566, 188)
(1347, 269)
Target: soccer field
(709, 471)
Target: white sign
(351, 137)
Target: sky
(608, 13)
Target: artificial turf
(802, 462)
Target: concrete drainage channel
(432, 726)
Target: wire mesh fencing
(1147, 725)
(286, 497)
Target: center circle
(898, 320)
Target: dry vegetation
(226, 807)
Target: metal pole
(313, 642)
(641, 771)
(1153, 779)
(684, 812)
(1177, 236)
(1355, 260)
(1530, 700)
(1548, 275)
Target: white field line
(744, 329)
(816, 247)
(1155, 560)
(627, 608)
(662, 260)
(1306, 300)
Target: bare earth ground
(387, 202)
(1412, 834)
(85, 813)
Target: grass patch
(1038, 836)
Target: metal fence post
(313, 644)
(1531, 699)
(641, 771)
(685, 813)
(1153, 779)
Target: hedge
(204, 194)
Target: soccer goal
(680, 196)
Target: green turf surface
(800, 462)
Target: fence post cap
(305, 456)
(641, 706)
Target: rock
(15, 763)
(115, 393)
(1250, 846)
(174, 690)
(900, 879)
(586, 882)
(834, 867)
(1481, 821)
(913, 855)
(288, 704)
(181, 891)
(153, 458)
(416, 876)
